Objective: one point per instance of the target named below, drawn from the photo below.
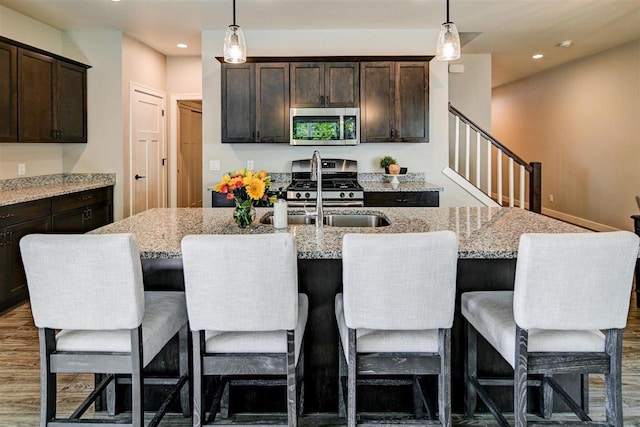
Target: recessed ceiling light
(115, 1)
(182, 45)
(565, 43)
(538, 56)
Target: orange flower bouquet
(247, 189)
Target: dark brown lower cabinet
(82, 212)
(71, 213)
(398, 199)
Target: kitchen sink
(355, 220)
(334, 220)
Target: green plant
(386, 161)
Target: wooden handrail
(489, 138)
(534, 169)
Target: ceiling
(511, 30)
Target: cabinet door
(16, 285)
(96, 216)
(307, 84)
(377, 101)
(238, 103)
(8, 93)
(272, 102)
(402, 199)
(411, 102)
(68, 221)
(72, 102)
(36, 102)
(341, 84)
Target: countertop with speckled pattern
(484, 233)
(21, 190)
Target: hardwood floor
(20, 381)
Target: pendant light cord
(234, 2)
(234, 12)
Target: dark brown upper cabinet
(394, 101)
(52, 99)
(8, 93)
(255, 102)
(324, 84)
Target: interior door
(190, 154)
(148, 147)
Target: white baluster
(478, 159)
(457, 146)
(499, 180)
(489, 168)
(522, 186)
(467, 151)
(511, 204)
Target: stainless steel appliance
(324, 126)
(339, 184)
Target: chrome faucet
(316, 175)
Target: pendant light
(235, 49)
(448, 47)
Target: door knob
(137, 177)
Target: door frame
(137, 87)
(173, 143)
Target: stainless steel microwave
(324, 126)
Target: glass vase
(244, 215)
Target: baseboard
(591, 225)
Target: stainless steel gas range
(339, 184)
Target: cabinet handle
(9, 215)
(86, 197)
(402, 200)
(137, 177)
(258, 135)
(321, 100)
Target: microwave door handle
(341, 127)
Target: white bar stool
(90, 288)
(395, 313)
(568, 287)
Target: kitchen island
(488, 243)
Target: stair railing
(531, 172)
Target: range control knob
(298, 195)
(307, 195)
(351, 195)
(342, 195)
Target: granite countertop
(20, 190)
(483, 232)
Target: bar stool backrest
(399, 281)
(86, 282)
(577, 281)
(241, 282)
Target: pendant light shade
(448, 47)
(235, 48)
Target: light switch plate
(250, 164)
(214, 165)
(22, 169)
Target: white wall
(103, 151)
(429, 158)
(470, 92)
(146, 67)
(582, 121)
(184, 82)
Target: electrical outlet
(250, 164)
(22, 169)
(551, 198)
(214, 165)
